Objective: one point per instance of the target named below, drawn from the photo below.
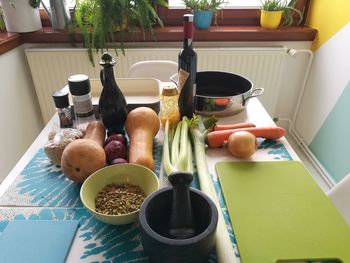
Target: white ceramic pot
(20, 17)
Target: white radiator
(51, 68)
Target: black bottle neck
(108, 70)
(108, 76)
(187, 43)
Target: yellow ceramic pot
(270, 19)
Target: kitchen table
(37, 190)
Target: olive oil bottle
(112, 103)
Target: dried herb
(118, 199)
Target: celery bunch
(177, 156)
(177, 149)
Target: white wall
(21, 117)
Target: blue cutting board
(35, 241)
(278, 212)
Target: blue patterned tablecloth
(42, 192)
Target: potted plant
(203, 11)
(272, 12)
(2, 22)
(21, 16)
(99, 20)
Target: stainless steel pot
(222, 93)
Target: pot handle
(256, 92)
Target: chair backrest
(340, 197)
(158, 69)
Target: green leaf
(103, 22)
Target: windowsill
(10, 41)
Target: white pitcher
(20, 16)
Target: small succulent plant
(288, 8)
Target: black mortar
(154, 220)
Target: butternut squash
(96, 131)
(85, 156)
(142, 125)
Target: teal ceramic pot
(202, 18)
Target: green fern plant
(99, 20)
(35, 3)
(288, 8)
(212, 5)
(2, 22)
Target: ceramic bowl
(134, 174)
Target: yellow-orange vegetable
(142, 125)
(85, 156)
(218, 138)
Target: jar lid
(79, 84)
(170, 90)
(60, 98)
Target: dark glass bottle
(112, 104)
(188, 62)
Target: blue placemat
(98, 242)
(37, 241)
(43, 184)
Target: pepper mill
(181, 217)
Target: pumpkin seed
(117, 199)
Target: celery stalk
(179, 158)
(168, 167)
(224, 248)
(175, 144)
(190, 157)
(181, 162)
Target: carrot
(217, 138)
(220, 127)
(222, 102)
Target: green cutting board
(279, 213)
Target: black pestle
(181, 217)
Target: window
(236, 13)
(71, 3)
(231, 4)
